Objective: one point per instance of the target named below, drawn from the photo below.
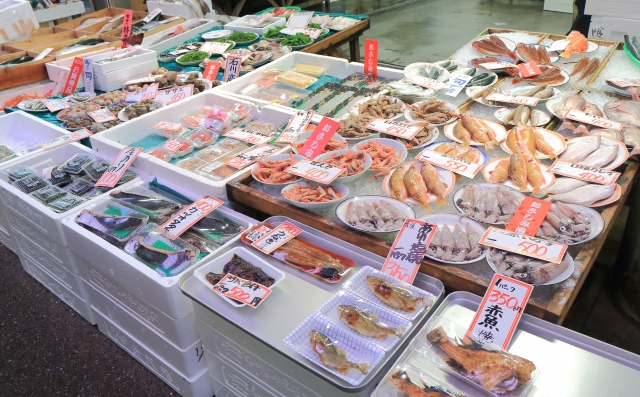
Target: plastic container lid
(309, 70)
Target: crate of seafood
(255, 24)
(64, 65)
(164, 40)
(122, 59)
(114, 79)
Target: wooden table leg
(354, 49)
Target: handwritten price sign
(211, 71)
(74, 76)
(257, 232)
(274, 239)
(584, 172)
(524, 245)
(529, 216)
(89, 76)
(214, 47)
(319, 138)
(462, 167)
(172, 145)
(297, 125)
(186, 218)
(242, 290)
(402, 130)
(576, 115)
(175, 94)
(496, 65)
(246, 135)
(407, 251)
(249, 157)
(316, 171)
(456, 84)
(529, 69)
(518, 100)
(102, 115)
(55, 104)
(119, 165)
(64, 139)
(149, 92)
(425, 82)
(500, 310)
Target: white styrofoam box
(180, 38)
(138, 56)
(222, 391)
(80, 306)
(115, 79)
(613, 29)
(196, 386)
(178, 9)
(64, 65)
(613, 8)
(59, 11)
(565, 6)
(237, 384)
(188, 361)
(13, 14)
(37, 215)
(8, 241)
(237, 25)
(39, 89)
(110, 142)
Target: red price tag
(64, 139)
(316, 171)
(175, 94)
(524, 245)
(126, 27)
(274, 239)
(529, 69)
(245, 291)
(211, 71)
(102, 115)
(371, 57)
(232, 68)
(245, 135)
(500, 310)
(187, 217)
(74, 74)
(529, 216)
(408, 249)
(584, 172)
(405, 130)
(172, 145)
(319, 138)
(297, 125)
(462, 167)
(574, 114)
(118, 166)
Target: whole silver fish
(585, 195)
(569, 102)
(579, 150)
(626, 112)
(545, 93)
(601, 157)
(608, 133)
(562, 185)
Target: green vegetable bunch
(314, 25)
(274, 33)
(241, 37)
(193, 56)
(297, 40)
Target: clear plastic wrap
(406, 380)
(112, 221)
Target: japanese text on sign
(67, 138)
(148, 92)
(214, 47)
(88, 75)
(126, 26)
(520, 100)
(172, 145)
(246, 135)
(576, 115)
(244, 159)
(500, 310)
(456, 84)
(425, 82)
(462, 167)
(496, 65)
(211, 71)
(187, 217)
(232, 68)
(408, 249)
(311, 32)
(319, 138)
(297, 125)
(257, 232)
(524, 245)
(118, 166)
(371, 57)
(55, 104)
(584, 172)
(277, 237)
(175, 94)
(316, 171)
(245, 291)
(529, 216)
(58, 86)
(102, 115)
(74, 75)
(152, 15)
(529, 69)
(403, 130)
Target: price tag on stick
(211, 71)
(245, 291)
(316, 171)
(102, 115)
(274, 239)
(584, 172)
(524, 245)
(175, 94)
(232, 68)
(64, 139)
(408, 249)
(462, 167)
(371, 57)
(126, 27)
(322, 134)
(576, 115)
(518, 100)
(500, 310)
(88, 75)
(249, 157)
(187, 217)
(74, 75)
(246, 135)
(297, 125)
(529, 216)
(118, 166)
(402, 130)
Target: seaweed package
(95, 168)
(19, 171)
(48, 194)
(75, 163)
(30, 184)
(65, 203)
(80, 186)
(56, 176)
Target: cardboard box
(139, 5)
(613, 29)
(613, 8)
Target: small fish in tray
(332, 356)
(218, 230)
(243, 269)
(158, 209)
(367, 323)
(394, 295)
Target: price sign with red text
(496, 65)
(425, 82)
(148, 92)
(152, 15)
(118, 166)
(168, 126)
(249, 157)
(214, 47)
(462, 167)
(246, 135)
(576, 115)
(172, 145)
(74, 75)
(500, 310)
(274, 239)
(175, 94)
(232, 68)
(524, 245)
(624, 83)
(187, 217)
(319, 138)
(58, 86)
(403, 130)
(371, 57)
(519, 100)
(297, 125)
(67, 138)
(55, 104)
(316, 171)
(211, 71)
(529, 216)
(529, 69)
(456, 84)
(245, 291)
(584, 172)
(257, 232)
(126, 26)
(313, 33)
(102, 115)
(407, 251)
(146, 79)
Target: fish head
(374, 281)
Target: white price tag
(57, 87)
(232, 67)
(576, 115)
(214, 47)
(257, 232)
(524, 245)
(500, 310)
(88, 75)
(316, 171)
(64, 139)
(152, 15)
(408, 249)
(402, 130)
(175, 94)
(118, 166)
(168, 126)
(497, 65)
(313, 33)
(55, 104)
(43, 54)
(519, 100)
(148, 92)
(297, 125)
(212, 166)
(188, 216)
(102, 115)
(462, 167)
(456, 84)
(274, 239)
(584, 172)
(425, 82)
(245, 291)
(246, 135)
(249, 157)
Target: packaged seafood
(80, 186)
(48, 194)
(296, 79)
(529, 270)
(112, 222)
(29, 184)
(66, 203)
(191, 163)
(74, 164)
(55, 176)
(217, 228)
(487, 202)
(7, 153)
(408, 380)
(95, 168)
(18, 172)
(456, 239)
(158, 208)
(374, 214)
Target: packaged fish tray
(74, 164)
(201, 136)
(7, 153)
(56, 176)
(80, 186)
(319, 261)
(66, 203)
(473, 360)
(30, 183)
(127, 176)
(48, 194)
(406, 380)
(242, 263)
(157, 207)
(401, 298)
(341, 352)
(18, 172)
(217, 227)
(375, 324)
(95, 168)
(112, 221)
(167, 257)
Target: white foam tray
(64, 65)
(114, 80)
(235, 25)
(237, 383)
(59, 11)
(179, 39)
(137, 57)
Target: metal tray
(297, 297)
(570, 364)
